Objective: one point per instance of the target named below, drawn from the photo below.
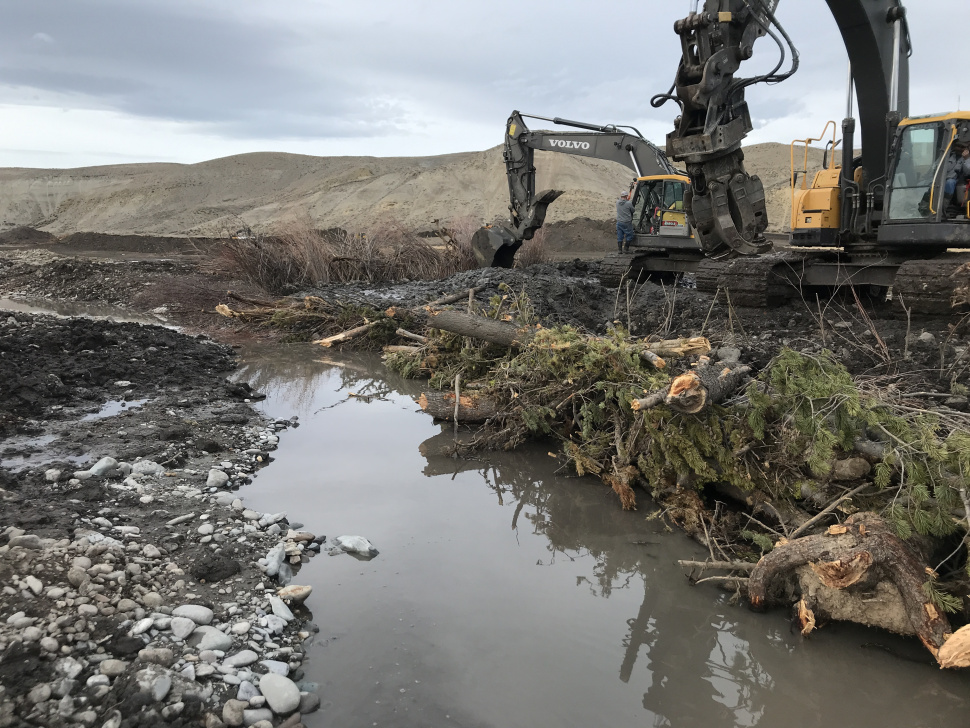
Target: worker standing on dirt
(624, 222)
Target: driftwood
(694, 346)
(472, 408)
(865, 553)
(398, 349)
(414, 337)
(696, 390)
(653, 358)
(721, 565)
(346, 335)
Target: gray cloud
(291, 69)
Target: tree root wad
(858, 572)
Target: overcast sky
(86, 82)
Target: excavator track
(926, 286)
(750, 282)
(617, 267)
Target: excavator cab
(922, 210)
(658, 206)
(918, 187)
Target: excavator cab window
(647, 199)
(658, 207)
(917, 185)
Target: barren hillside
(262, 189)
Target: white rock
(356, 545)
(281, 693)
(32, 634)
(147, 467)
(196, 612)
(34, 584)
(241, 627)
(280, 668)
(274, 559)
(280, 609)
(103, 466)
(241, 659)
(142, 626)
(182, 627)
(210, 638)
(216, 479)
(294, 592)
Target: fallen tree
(795, 446)
(768, 443)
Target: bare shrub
(532, 251)
(298, 255)
(462, 230)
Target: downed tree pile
(794, 449)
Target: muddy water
(87, 309)
(506, 594)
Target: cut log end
(687, 394)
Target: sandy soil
(264, 189)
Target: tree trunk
(479, 327)
(865, 552)
(472, 408)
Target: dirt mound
(160, 245)
(25, 234)
(580, 235)
(68, 360)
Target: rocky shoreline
(138, 589)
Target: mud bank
(132, 592)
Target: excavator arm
(727, 205)
(496, 245)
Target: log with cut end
(696, 390)
(472, 408)
(864, 553)
(705, 385)
(479, 327)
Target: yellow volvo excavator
(886, 217)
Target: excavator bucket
(495, 247)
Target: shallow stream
(507, 594)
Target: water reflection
(679, 657)
(508, 593)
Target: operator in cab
(957, 175)
(624, 222)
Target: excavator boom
(496, 245)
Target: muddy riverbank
(96, 565)
(132, 593)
